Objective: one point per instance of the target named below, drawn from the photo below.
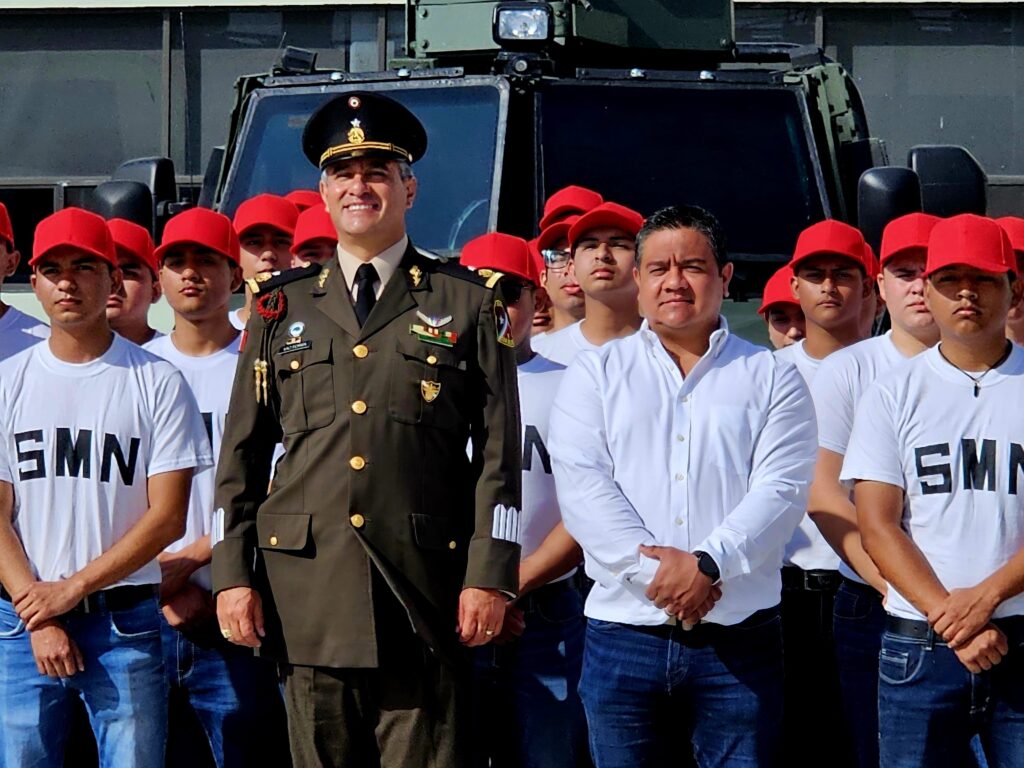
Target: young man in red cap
(98, 443)
(265, 225)
(781, 312)
(603, 243)
(557, 278)
(832, 268)
(1013, 226)
(568, 201)
(128, 309)
(858, 615)
(18, 331)
(316, 240)
(305, 198)
(231, 693)
(526, 682)
(935, 457)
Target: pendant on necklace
(977, 388)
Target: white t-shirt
(840, 383)
(78, 442)
(808, 549)
(19, 331)
(562, 346)
(538, 384)
(236, 320)
(959, 459)
(210, 378)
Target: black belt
(107, 600)
(922, 630)
(530, 601)
(705, 631)
(810, 581)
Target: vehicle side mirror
(884, 194)
(157, 174)
(208, 192)
(952, 180)
(129, 200)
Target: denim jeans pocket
(10, 624)
(564, 608)
(851, 606)
(138, 623)
(900, 663)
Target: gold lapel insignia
(416, 274)
(430, 390)
(323, 277)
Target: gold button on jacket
(416, 510)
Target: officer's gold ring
(488, 632)
(226, 633)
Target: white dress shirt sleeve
(782, 468)
(594, 509)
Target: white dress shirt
(719, 461)
(385, 262)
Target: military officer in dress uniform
(383, 549)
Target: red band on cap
(778, 290)
(74, 228)
(203, 227)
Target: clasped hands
(964, 621)
(678, 587)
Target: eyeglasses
(514, 290)
(556, 258)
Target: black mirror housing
(952, 180)
(129, 200)
(884, 194)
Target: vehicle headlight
(522, 22)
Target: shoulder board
(488, 278)
(264, 281)
(431, 255)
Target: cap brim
(159, 252)
(78, 247)
(994, 267)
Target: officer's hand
(240, 614)
(481, 615)
(962, 614)
(55, 652)
(41, 601)
(678, 585)
(984, 650)
(513, 626)
(188, 607)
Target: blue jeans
(525, 692)
(655, 696)
(930, 706)
(235, 697)
(123, 689)
(858, 622)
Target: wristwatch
(706, 564)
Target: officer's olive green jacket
(375, 423)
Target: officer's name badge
(296, 345)
(431, 335)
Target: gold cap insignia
(430, 390)
(356, 135)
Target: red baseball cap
(568, 201)
(504, 253)
(266, 210)
(134, 240)
(313, 224)
(778, 289)
(908, 233)
(75, 228)
(6, 230)
(200, 226)
(971, 240)
(875, 267)
(538, 258)
(606, 215)
(1013, 226)
(305, 198)
(833, 237)
(555, 232)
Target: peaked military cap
(360, 124)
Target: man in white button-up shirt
(682, 458)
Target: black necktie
(366, 276)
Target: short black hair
(685, 217)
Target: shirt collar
(385, 262)
(715, 343)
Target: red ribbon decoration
(271, 306)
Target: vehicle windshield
(455, 176)
(741, 152)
